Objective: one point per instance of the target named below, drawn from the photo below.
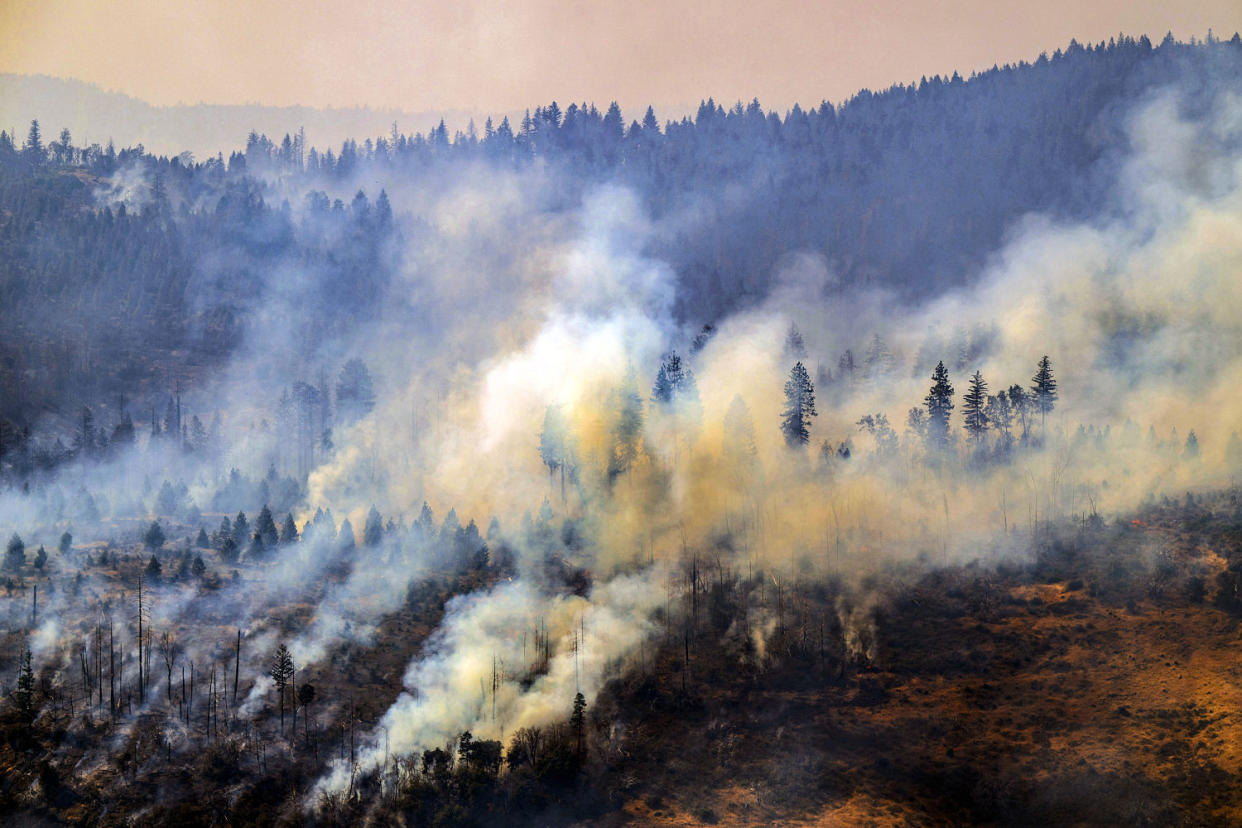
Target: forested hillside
(121, 272)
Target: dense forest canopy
(121, 272)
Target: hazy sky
(493, 55)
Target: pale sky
(493, 55)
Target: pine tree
(289, 531)
(939, 402)
(241, 530)
(265, 527)
(154, 537)
(154, 569)
(40, 560)
(229, 550)
(346, 538)
(66, 543)
(974, 404)
(799, 407)
(373, 530)
(33, 149)
(1043, 390)
(281, 673)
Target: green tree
(33, 148)
(15, 554)
(1044, 390)
(229, 551)
(974, 403)
(154, 569)
(289, 531)
(373, 529)
(346, 538)
(66, 543)
(154, 537)
(939, 403)
(241, 530)
(799, 407)
(265, 527)
(40, 560)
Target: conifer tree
(1043, 390)
(282, 673)
(373, 530)
(154, 537)
(974, 403)
(939, 402)
(289, 531)
(241, 530)
(15, 554)
(799, 407)
(265, 527)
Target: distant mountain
(94, 115)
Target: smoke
(513, 294)
(482, 671)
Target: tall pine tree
(799, 407)
(939, 402)
(973, 408)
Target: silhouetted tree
(289, 531)
(154, 537)
(1044, 389)
(939, 403)
(974, 403)
(265, 527)
(799, 407)
(282, 673)
(373, 530)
